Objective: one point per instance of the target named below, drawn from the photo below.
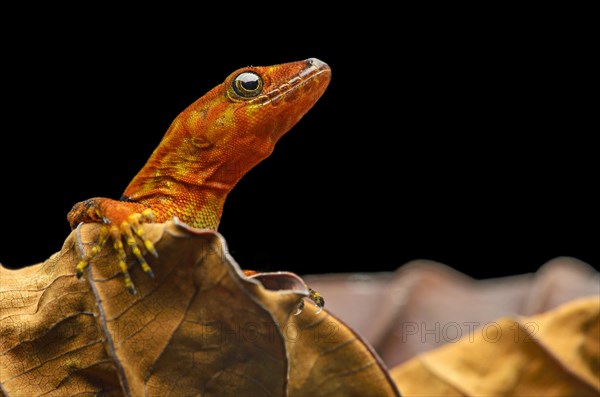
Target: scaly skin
(204, 153)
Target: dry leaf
(200, 327)
(552, 354)
(327, 358)
(333, 360)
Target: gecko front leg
(121, 222)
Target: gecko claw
(317, 299)
(313, 296)
(150, 247)
(132, 290)
(80, 268)
(299, 307)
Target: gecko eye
(247, 85)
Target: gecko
(206, 150)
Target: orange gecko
(204, 153)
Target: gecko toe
(299, 307)
(131, 233)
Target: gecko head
(268, 101)
(239, 121)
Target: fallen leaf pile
(424, 304)
(202, 327)
(443, 333)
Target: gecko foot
(130, 231)
(313, 296)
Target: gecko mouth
(315, 67)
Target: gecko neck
(187, 177)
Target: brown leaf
(327, 358)
(200, 327)
(552, 354)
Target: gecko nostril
(317, 63)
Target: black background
(465, 140)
